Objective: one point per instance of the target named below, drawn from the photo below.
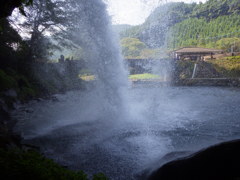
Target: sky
(135, 12)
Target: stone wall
(205, 75)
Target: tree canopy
(132, 47)
(7, 6)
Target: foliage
(227, 43)
(200, 32)
(153, 53)
(87, 77)
(183, 69)
(133, 32)
(27, 93)
(10, 45)
(57, 77)
(144, 76)
(99, 176)
(9, 79)
(207, 23)
(19, 164)
(134, 76)
(6, 81)
(215, 8)
(43, 17)
(8, 6)
(228, 66)
(27, 58)
(132, 47)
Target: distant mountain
(154, 31)
(180, 24)
(119, 28)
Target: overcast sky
(135, 12)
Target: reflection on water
(76, 131)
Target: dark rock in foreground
(219, 162)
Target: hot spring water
(118, 130)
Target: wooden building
(194, 53)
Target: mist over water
(103, 55)
(107, 100)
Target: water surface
(77, 132)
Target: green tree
(227, 43)
(10, 45)
(7, 6)
(132, 47)
(44, 18)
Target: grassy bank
(227, 66)
(131, 77)
(28, 165)
(143, 76)
(86, 77)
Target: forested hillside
(200, 32)
(156, 27)
(214, 24)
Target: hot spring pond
(78, 131)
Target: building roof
(197, 50)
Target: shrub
(228, 66)
(6, 81)
(28, 165)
